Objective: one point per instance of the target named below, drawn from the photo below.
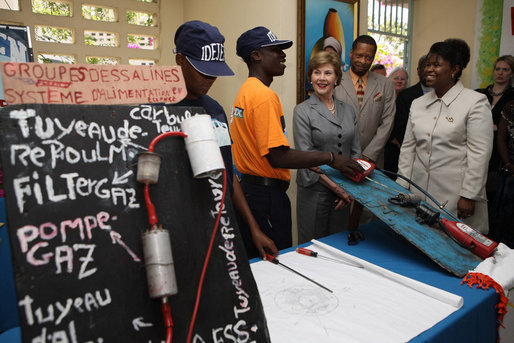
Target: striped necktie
(360, 92)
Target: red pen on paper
(312, 253)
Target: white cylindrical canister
(148, 164)
(160, 271)
(202, 146)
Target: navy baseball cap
(256, 38)
(202, 45)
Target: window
(53, 34)
(90, 31)
(58, 8)
(140, 18)
(12, 5)
(140, 42)
(102, 60)
(97, 38)
(141, 62)
(99, 13)
(54, 58)
(389, 24)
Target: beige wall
(436, 20)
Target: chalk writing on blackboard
(76, 218)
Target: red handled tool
(469, 238)
(368, 169)
(276, 261)
(312, 253)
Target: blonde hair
(509, 59)
(324, 57)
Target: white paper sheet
(364, 306)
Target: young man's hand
(264, 244)
(346, 165)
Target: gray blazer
(316, 129)
(376, 115)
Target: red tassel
(484, 281)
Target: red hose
(206, 261)
(163, 135)
(152, 216)
(168, 321)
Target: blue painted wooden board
(430, 240)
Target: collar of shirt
(355, 79)
(425, 89)
(449, 96)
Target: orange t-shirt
(257, 125)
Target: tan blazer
(375, 117)
(446, 149)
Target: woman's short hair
(509, 59)
(324, 57)
(455, 51)
(397, 69)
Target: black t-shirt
(221, 128)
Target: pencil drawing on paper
(306, 301)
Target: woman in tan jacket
(449, 137)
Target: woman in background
(499, 94)
(323, 123)
(449, 137)
(399, 76)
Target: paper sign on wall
(91, 84)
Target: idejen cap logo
(256, 38)
(202, 44)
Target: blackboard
(76, 215)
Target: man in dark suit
(403, 102)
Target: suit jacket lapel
(318, 106)
(350, 89)
(370, 88)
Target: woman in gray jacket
(323, 123)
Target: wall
(78, 24)
(436, 20)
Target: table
(474, 322)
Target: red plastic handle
(307, 252)
(271, 259)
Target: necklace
(332, 109)
(490, 90)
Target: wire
(163, 135)
(421, 190)
(206, 261)
(152, 216)
(168, 321)
(152, 219)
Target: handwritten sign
(76, 215)
(51, 83)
